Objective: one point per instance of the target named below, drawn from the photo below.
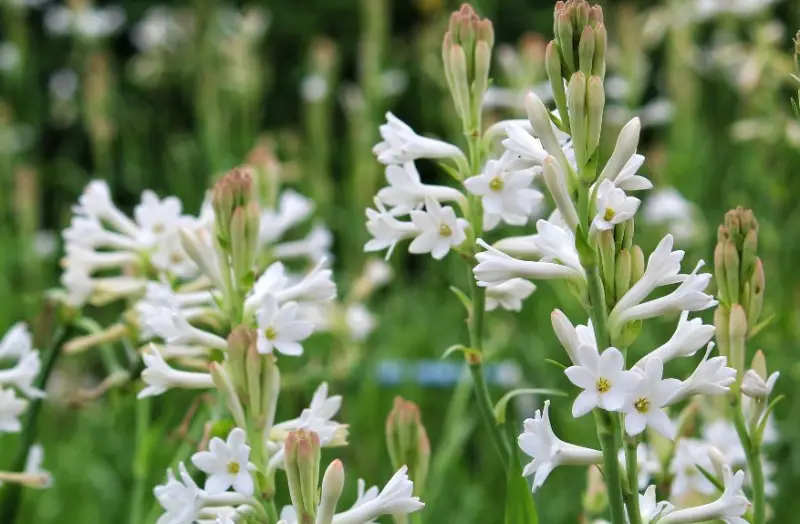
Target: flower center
(176, 258)
(233, 468)
(496, 184)
(445, 231)
(271, 333)
(642, 405)
(603, 385)
(158, 228)
(609, 214)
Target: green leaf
(519, 505)
(555, 363)
(450, 170)
(711, 477)
(468, 352)
(761, 325)
(463, 298)
(502, 404)
(763, 424)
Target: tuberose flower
(644, 405)
(603, 378)
(227, 464)
(280, 329)
(439, 229)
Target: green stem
(486, 409)
(606, 433)
(140, 460)
(272, 511)
(631, 495)
(12, 494)
(752, 450)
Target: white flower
(548, 451)
(315, 246)
(278, 328)
(711, 377)
(90, 261)
(157, 217)
(690, 453)
(603, 378)
(33, 465)
(401, 144)
(557, 244)
(172, 258)
(293, 208)
(628, 180)
(667, 207)
(439, 230)
(505, 192)
(386, 230)
(521, 143)
(17, 342)
(181, 499)
(11, 408)
(756, 387)
(160, 376)
(406, 192)
(650, 509)
(495, 267)
(360, 322)
(522, 247)
(96, 202)
(170, 323)
(689, 336)
(721, 433)
(87, 231)
(196, 242)
(396, 498)
(509, 295)
(23, 374)
(317, 286)
(318, 418)
(613, 207)
(644, 404)
(571, 337)
(730, 507)
(227, 464)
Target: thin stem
(486, 409)
(272, 511)
(631, 495)
(606, 433)
(752, 450)
(140, 460)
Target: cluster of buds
(467, 55)
(408, 442)
(740, 284)
(577, 54)
(302, 458)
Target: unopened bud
(586, 50)
(239, 341)
(622, 277)
(627, 142)
(637, 264)
(222, 381)
(717, 461)
(595, 15)
(332, 486)
(483, 60)
(732, 272)
(608, 254)
(556, 183)
(749, 255)
(595, 499)
(233, 190)
(564, 38)
(552, 62)
(737, 330)
(565, 332)
(600, 45)
(576, 101)
(759, 364)
(408, 442)
(301, 459)
(719, 272)
(457, 62)
(539, 117)
(581, 13)
(596, 101)
(722, 330)
(755, 302)
(245, 225)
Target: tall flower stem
(140, 460)
(631, 494)
(752, 448)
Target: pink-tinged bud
(233, 190)
(596, 15)
(332, 486)
(749, 255)
(408, 442)
(301, 460)
(239, 343)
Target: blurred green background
(167, 97)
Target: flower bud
(245, 225)
(722, 330)
(576, 101)
(719, 272)
(608, 253)
(483, 60)
(270, 389)
(756, 299)
(556, 183)
(731, 258)
(717, 460)
(233, 190)
(565, 332)
(600, 45)
(408, 442)
(539, 117)
(457, 61)
(737, 334)
(595, 100)
(759, 364)
(622, 276)
(222, 381)
(552, 63)
(564, 38)
(301, 460)
(586, 50)
(637, 264)
(332, 486)
(749, 255)
(625, 148)
(239, 341)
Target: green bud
(245, 224)
(722, 333)
(458, 73)
(233, 190)
(796, 54)
(254, 379)
(332, 486)
(586, 50)
(581, 14)
(608, 253)
(756, 299)
(236, 365)
(564, 37)
(222, 381)
(596, 101)
(629, 230)
(749, 255)
(731, 258)
(552, 62)
(622, 276)
(723, 234)
(719, 272)
(301, 460)
(637, 264)
(600, 46)
(408, 442)
(483, 59)
(737, 333)
(576, 97)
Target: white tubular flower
(181, 499)
(509, 295)
(557, 244)
(171, 324)
(318, 418)
(160, 294)
(402, 144)
(160, 376)
(91, 261)
(624, 151)
(386, 230)
(753, 385)
(689, 336)
(651, 510)
(279, 329)
(227, 464)
(644, 405)
(729, 507)
(690, 453)
(689, 296)
(96, 202)
(273, 280)
(628, 180)
(78, 285)
(613, 207)
(522, 144)
(544, 130)
(711, 377)
(406, 192)
(540, 443)
(556, 183)
(572, 337)
(314, 247)
(603, 378)
(157, 217)
(495, 268)
(523, 247)
(439, 230)
(11, 407)
(22, 375)
(316, 286)
(17, 342)
(505, 192)
(196, 242)
(172, 258)
(33, 466)
(293, 209)
(396, 498)
(87, 231)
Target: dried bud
(408, 442)
(301, 459)
(737, 333)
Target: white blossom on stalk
(650, 509)
(628, 180)
(729, 507)
(613, 207)
(557, 244)
(402, 144)
(315, 246)
(89, 260)
(548, 451)
(756, 387)
(156, 217)
(509, 295)
(316, 286)
(95, 202)
(181, 499)
(16, 342)
(227, 464)
(522, 144)
(687, 478)
(572, 337)
(495, 267)
(293, 208)
(360, 321)
(603, 378)
(11, 407)
(172, 258)
(667, 207)
(711, 377)
(279, 328)
(396, 498)
(170, 324)
(439, 230)
(386, 230)
(23, 373)
(505, 192)
(689, 336)
(644, 405)
(317, 418)
(406, 192)
(160, 376)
